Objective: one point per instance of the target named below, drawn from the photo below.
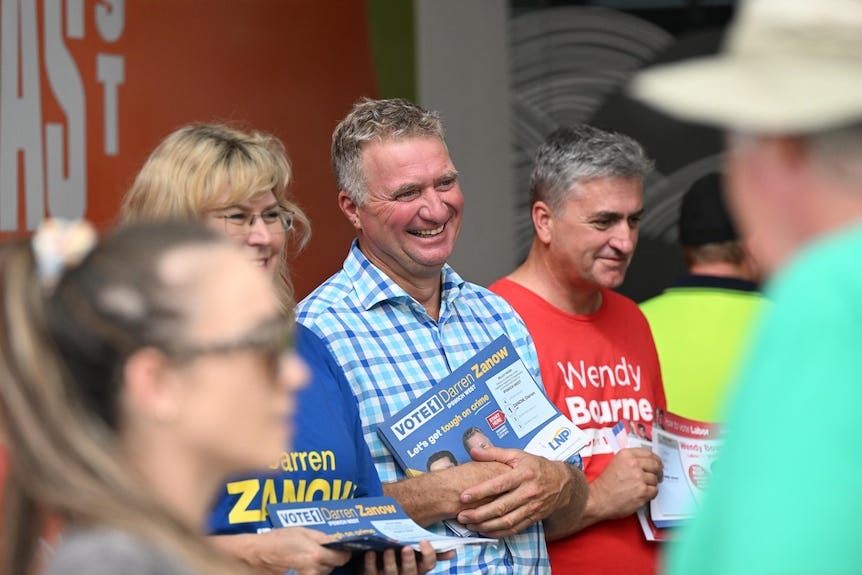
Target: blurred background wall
(89, 87)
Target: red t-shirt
(597, 369)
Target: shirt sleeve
(320, 358)
(106, 552)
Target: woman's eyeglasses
(274, 337)
(239, 223)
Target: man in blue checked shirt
(398, 319)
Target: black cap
(703, 217)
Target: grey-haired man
(597, 357)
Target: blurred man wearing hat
(788, 89)
(701, 322)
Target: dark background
(682, 151)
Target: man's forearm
(432, 497)
(425, 500)
(569, 517)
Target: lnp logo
(560, 437)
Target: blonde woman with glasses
(133, 381)
(236, 182)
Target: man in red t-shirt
(596, 353)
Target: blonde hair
(190, 170)
(61, 360)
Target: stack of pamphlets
(363, 524)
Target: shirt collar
(715, 282)
(372, 286)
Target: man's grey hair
(574, 154)
(375, 121)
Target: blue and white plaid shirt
(392, 351)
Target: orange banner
(89, 87)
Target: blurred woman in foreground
(133, 382)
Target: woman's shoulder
(104, 551)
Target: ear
(151, 387)
(750, 264)
(806, 195)
(543, 221)
(349, 209)
(775, 168)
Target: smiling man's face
(411, 215)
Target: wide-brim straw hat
(787, 67)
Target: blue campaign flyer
(492, 399)
(363, 524)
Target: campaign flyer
(492, 399)
(363, 524)
(688, 450)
